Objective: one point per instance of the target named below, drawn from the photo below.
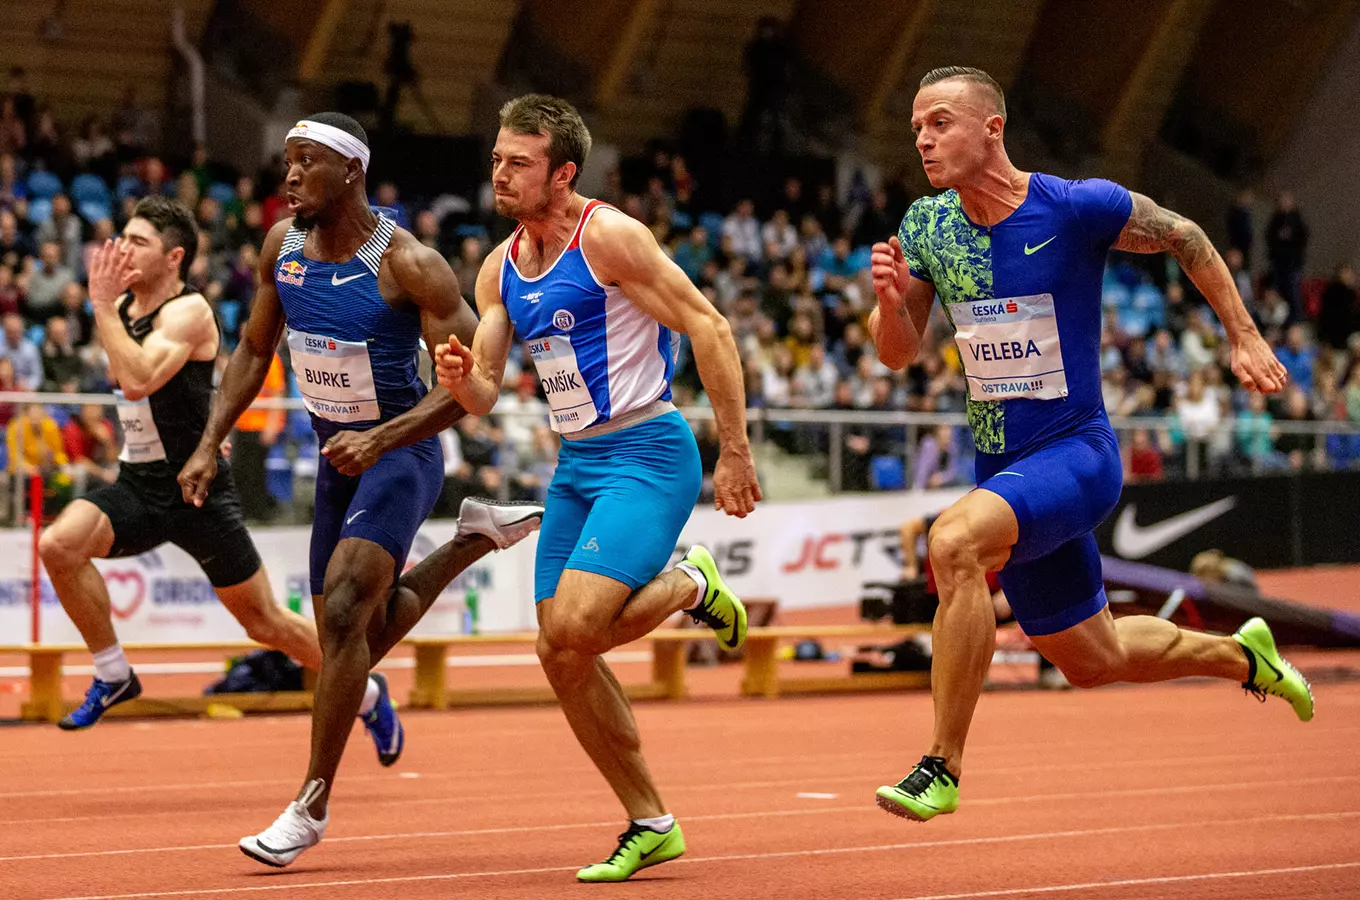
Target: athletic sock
(370, 697)
(700, 582)
(661, 824)
(111, 665)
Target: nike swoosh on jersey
(1134, 541)
(350, 520)
(1030, 251)
(337, 280)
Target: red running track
(1180, 791)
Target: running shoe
(383, 725)
(1269, 672)
(98, 699)
(719, 609)
(505, 523)
(929, 791)
(292, 832)
(639, 847)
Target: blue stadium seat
(887, 473)
(39, 210)
(681, 221)
(129, 186)
(1115, 295)
(93, 211)
(87, 188)
(43, 185)
(222, 193)
(712, 223)
(36, 334)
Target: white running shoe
(505, 523)
(292, 832)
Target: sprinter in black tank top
(162, 340)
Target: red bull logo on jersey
(291, 272)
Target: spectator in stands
(1237, 263)
(62, 366)
(133, 127)
(47, 278)
(11, 297)
(469, 462)
(1199, 412)
(8, 385)
(816, 381)
(1351, 393)
(1287, 244)
(79, 320)
(1165, 356)
(93, 149)
(427, 230)
(1143, 459)
(35, 444)
(534, 469)
(95, 379)
(874, 224)
(1298, 356)
(779, 236)
(522, 413)
(15, 248)
(25, 104)
(13, 131)
(1198, 341)
(469, 263)
(64, 229)
(387, 196)
(1271, 313)
(838, 269)
(693, 254)
(1255, 434)
(1298, 449)
(91, 447)
(742, 231)
(45, 145)
(12, 188)
(1339, 316)
(1241, 230)
(256, 433)
(103, 231)
(20, 351)
(936, 459)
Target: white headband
(342, 142)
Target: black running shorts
(147, 513)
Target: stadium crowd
(790, 271)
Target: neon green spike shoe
(1271, 673)
(720, 609)
(929, 791)
(639, 847)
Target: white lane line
(786, 854)
(1136, 882)
(519, 829)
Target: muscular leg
(970, 539)
(252, 604)
(416, 591)
(1104, 650)
(650, 605)
(576, 626)
(358, 582)
(81, 533)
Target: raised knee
(953, 549)
(60, 551)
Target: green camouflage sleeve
(912, 236)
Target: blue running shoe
(98, 698)
(382, 723)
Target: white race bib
(334, 377)
(141, 438)
(569, 399)
(1010, 349)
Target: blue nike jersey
(353, 354)
(1023, 297)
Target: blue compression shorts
(1059, 492)
(617, 503)
(386, 504)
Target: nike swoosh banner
(1267, 522)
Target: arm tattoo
(1152, 229)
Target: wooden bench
(431, 689)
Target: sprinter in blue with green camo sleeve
(1016, 259)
